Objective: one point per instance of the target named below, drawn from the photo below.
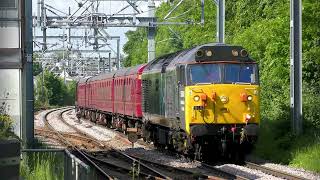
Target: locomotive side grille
(8, 4)
(146, 93)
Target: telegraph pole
(296, 66)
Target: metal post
(96, 42)
(42, 83)
(69, 30)
(151, 32)
(63, 60)
(43, 25)
(220, 20)
(38, 13)
(296, 65)
(118, 54)
(27, 74)
(202, 12)
(109, 62)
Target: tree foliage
(262, 27)
(51, 90)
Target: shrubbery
(51, 91)
(5, 126)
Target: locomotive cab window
(222, 73)
(205, 73)
(240, 73)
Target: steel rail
(176, 169)
(122, 153)
(65, 141)
(273, 172)
(72, 136)
(158, 176)
(77, 130)
(223, 173)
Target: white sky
(106, 7)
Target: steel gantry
(87, 16)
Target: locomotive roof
(219, 52)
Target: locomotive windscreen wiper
(242, 83)
(203, 83)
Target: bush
(51, 91)
(6, 126)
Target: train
(202, 101)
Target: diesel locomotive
(200, 101)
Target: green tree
(262, 27)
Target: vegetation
(261, 26)
(39, 166)
(5, 126)
(6, 123)
(50, 90)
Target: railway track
(272, 172)
(112, 163)
(222, 173)
(186, 173)
(83, 142)
(73, 140)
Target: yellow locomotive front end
(221, 105)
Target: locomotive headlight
(199, 53)
(196, 98)
(235, 52)
(224, 99)
(209, 53)
(249, 98)
(244, 53)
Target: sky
(106, 7)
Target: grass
(42, 165)
(278, 144)
(308, 158)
